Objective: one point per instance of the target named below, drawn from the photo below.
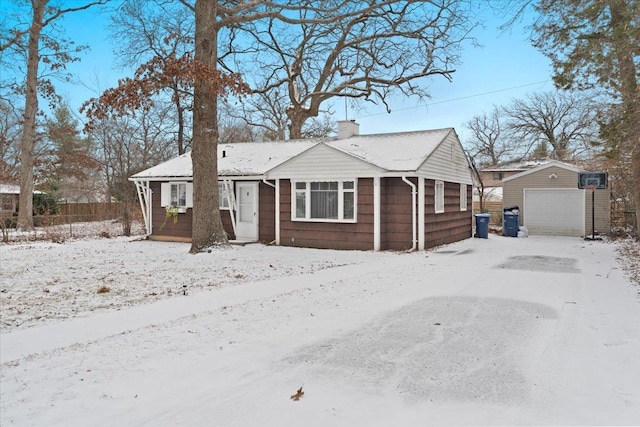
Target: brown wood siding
(163, 225)
(225, 215)
(453, 224)
(329, 235)
(267, 213)
(181, 230)
(396, 228)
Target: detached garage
(551, 203)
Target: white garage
(551, 204)
(556, 212)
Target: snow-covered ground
(498, 331)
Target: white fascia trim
(543, 167)
(190, 178)
(174, 178)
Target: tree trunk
(28, 141)
(621, 21)
(126, 217)
(636, 175)
(295, 128)
(207, 229)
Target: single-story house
(551, 203)
(396, 191)
(492, 176)
(9, 197)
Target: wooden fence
(492, 208)
(85, 212)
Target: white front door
(247, 213)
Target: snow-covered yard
(542, 331)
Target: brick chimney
(347, 129)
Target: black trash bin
(510, 221)
(482, 225)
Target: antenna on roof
(346, 116)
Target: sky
(504, 67)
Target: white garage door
(558, 212)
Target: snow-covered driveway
(502, 331)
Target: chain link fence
(73, 221)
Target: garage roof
(552, 163)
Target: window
(178, 195)
(497, 176)
(439, 197)
(463, 197)
(223, 196)
(324, 201)
(7, 202)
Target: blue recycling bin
(482, 225)
(510, 221)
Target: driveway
(498, 331)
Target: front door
(247, 213)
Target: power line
(459, 99)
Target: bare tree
(234, 129)
(488, 144)
(10, 134)
(265, 118)
(158, 30)
(33, 44)
(263, 112)
(566, 123)
(127, 145)
(364, 51)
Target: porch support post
(376, 213)
(420, 213)
(144, 196)
(277, 212)
(233, 207)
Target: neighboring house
(551, 203)
(9, 196)
(395, 191)
(492, 176)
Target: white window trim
(165, 195)
(463, 197)
(439, 197)
(341, 192)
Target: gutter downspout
(277, 212)
(413, 211)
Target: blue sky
(505, 67)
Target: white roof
(9, 189)
(551, 163)
(404, 151)
(516, 165)
(240, 159)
